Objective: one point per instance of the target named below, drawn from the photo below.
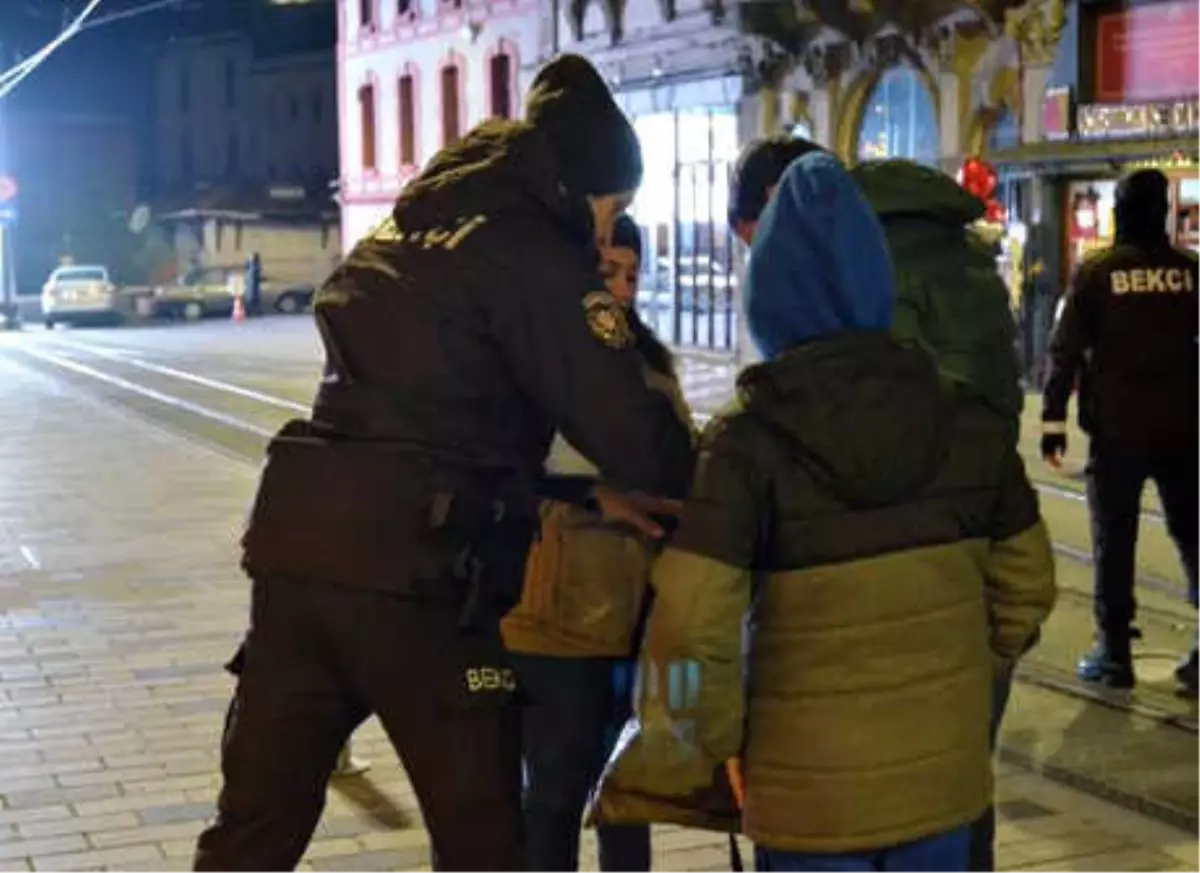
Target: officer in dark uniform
(254, 284)
(390, 531)
(1128, 334)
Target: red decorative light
(978, 178)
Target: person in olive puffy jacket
(860, 556)
(950, 302)
(574, 633)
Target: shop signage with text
(1165, 119)
(1147, 52)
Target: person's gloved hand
(1054, 446)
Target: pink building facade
(414, 75)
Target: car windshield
(80, 274)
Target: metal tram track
(167, 410)
(204, 422)
(261, 433)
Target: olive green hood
(950, 297)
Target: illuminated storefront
(689, 138)
(899, 119)
(1123, 97)
(1144, 81)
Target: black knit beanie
(1140, 207)
(627, 235)
(596, 146)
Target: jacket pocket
(586, 579)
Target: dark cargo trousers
(319, 660)
(573, 710)
(981, 851)
(1114, 488)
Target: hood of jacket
(898, 187)
(951, 299)
(500, 168)
(819, 263)
(865, 415)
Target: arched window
(366, 110)
(407, 100)
(899, 119)
(451, 104)
(500, 69)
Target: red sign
(8, 188)
(1148, 52)
(1056, 114)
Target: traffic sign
(8, 189)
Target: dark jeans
(319, 659)
(982, 849)
(573, 710)
(1114, 490)
(943, 852)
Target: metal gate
(687, 293)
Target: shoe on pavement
(1102, 666)
(1185, 675)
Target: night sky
(107, 68)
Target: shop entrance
(688, 284)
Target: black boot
(1188, 672)
(1110, 661)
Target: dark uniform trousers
(319, 660)
(1115, 480)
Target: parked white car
(77, 293)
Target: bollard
(348, 765)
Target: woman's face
(619, 267)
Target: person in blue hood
(819, 264)
(887, 551)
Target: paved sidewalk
(120, 599)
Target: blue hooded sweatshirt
(819, 262)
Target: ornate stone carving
(1036, 28)
(826, 62)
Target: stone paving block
(116, 859)
(178, 864)
(178, 848)
(388, 860)
(78, 825)
(208, 782)
(1130, 860)
(42, 846)
(100, 777)
(180, 812)
(27, 783)
(1043, 851)
(140, 834)
(332, 848)
(138, 803)
(17, 864)
(53, 796)
(396, 840)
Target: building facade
(934, 82)
(676, 68)
(415, 75)
(231, 115)
(247, 154)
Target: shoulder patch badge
(607, 320)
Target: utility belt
(387, 518)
